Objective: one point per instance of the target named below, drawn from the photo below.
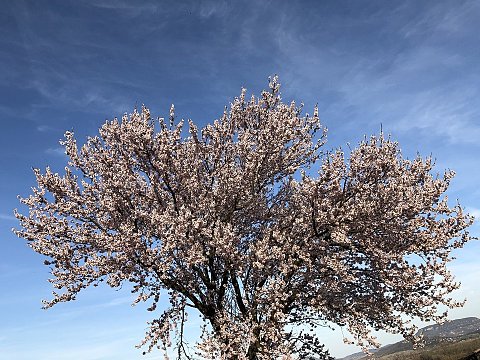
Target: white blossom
(232, 222)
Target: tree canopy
(253, 224)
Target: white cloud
(426, 85)
(443, 113)
(7, 217)
(444, 19)
(44, 128)
(58, 151)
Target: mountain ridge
(450, 331)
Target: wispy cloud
(449, 115)
(427, 85)
(133, 9)
(91, 346)
(208, 8)
(7, 217)
(444, 19)
(117, 301)
(44, 128)
(58, 151)
(75, 94)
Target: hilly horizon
(450, 332)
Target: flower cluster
(231, 221)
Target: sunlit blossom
(249, 221)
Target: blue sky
(411, 67)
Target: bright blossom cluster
(230, 221)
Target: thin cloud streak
(420, 87)
(7, 217)
(58, 151)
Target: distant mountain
(453, 330)
(357, 356)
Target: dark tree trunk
(254, 346)
(252, 352)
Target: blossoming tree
(250, 223)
